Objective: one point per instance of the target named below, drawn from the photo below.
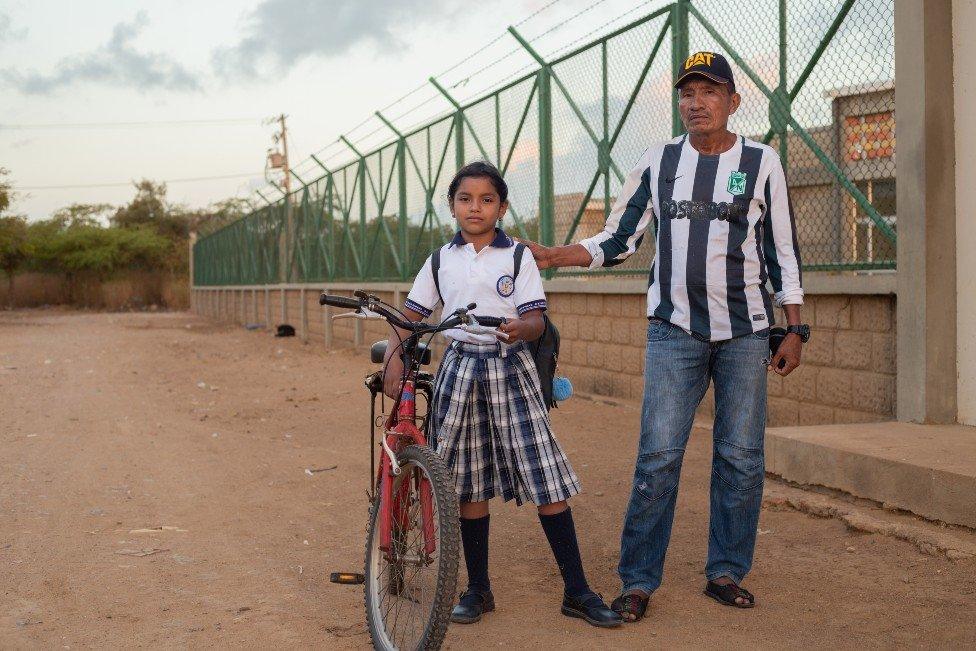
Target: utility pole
(284, 147)
(288, 232)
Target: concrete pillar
(284, 306)
(327, 321)
(192, 241)
(304, 313)
(926, 212)
(267, 308)
(964, 53)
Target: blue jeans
(678, 369)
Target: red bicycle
(413, 538)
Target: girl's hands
(393, 376)
(528, 328)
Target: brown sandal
(631, 606)
(728, 593)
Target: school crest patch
(737, 182)
(505, 286)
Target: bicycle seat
(378, 351)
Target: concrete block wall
(848, 370)
(847, 376)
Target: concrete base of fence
(847, 376)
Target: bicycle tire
(449, 546)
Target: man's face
(705, 106)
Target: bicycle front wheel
(410, 588)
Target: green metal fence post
(547, 199)
(605, 142)
(401, 157)
(320, 163)
(458, 123)
(300, 180)
(679, 54)
(782, 92)
(361, 183)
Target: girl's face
(477, 206)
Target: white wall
(964, 57)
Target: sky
(100, 94)
(66, 69)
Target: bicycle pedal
(347, 578)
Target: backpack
(544, 350)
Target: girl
(489, 422)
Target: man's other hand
(789, 351)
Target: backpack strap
(519, 251)
(435, 269)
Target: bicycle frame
(402, 430)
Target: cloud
(281, 33)
(7, 33)
(117, 63)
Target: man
(723, 225)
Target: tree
(6, 195)
(149, 208)
(14, 249)
(218, 214)
(83, 214)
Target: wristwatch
(803, 330)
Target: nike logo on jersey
(673, 179)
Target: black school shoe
(591, 608)
(471, 606)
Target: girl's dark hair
(483, 170)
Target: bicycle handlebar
(340, 301)
(490, 321)
(460, 318)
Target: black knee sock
(561, 533)
(474, 537)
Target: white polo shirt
(484, 277)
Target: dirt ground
(113, 423)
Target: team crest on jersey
(737, 183)
(505, 286)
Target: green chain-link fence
(817, 82)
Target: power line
(424, 85)
(595, 3)
(570, 19)
(121, 184)
(144, 123)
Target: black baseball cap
(710, 65)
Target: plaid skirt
(490, 425)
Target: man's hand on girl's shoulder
(542, 254)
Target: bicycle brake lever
(361, 313)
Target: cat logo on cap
(699, 58)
